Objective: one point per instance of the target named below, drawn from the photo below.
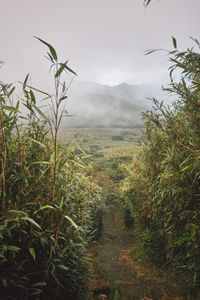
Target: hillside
(97, 110)
(136, 94)
(97, 105)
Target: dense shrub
(162, 187)
(48, 203)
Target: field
(106, 148)
(103, 140)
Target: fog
(105, 42)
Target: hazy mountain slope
(95, 110)
(99, 105)
(137, 94)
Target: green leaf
(50, 57)
(38, 284)
(43, 173)
(42, 162)
(17, 105)
(71, 221)
(43, 207)
(174, 42)
(12, 248)
(10, 108)
(37, 142)
(32, 96)
(37, 90)
(20, 212)
(11, 91)
(70, 70)
(61, 202)
(60, 70)
(25, 81)
(31, 221)
(63, 267)
(42, 92)
(149, 52)
(184, 169)
(32, 252)
(40, 113)
(51, 49)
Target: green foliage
(162, 187)
(48, 203)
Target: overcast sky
(105, 40)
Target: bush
(162, 187)
(117, 138)
(48, 203)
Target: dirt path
(120, 277)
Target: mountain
(96, 110)
(97, 105)
(137, 94)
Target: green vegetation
(105, 154)
(52, 194)
(49, 205)
(162, 186)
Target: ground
(115, 273)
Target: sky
(104, 40)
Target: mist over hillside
(97, 105)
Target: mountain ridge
(98, 105)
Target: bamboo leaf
(184, 169)
(17, 105)
(38, 284)
(18, 212)
(51, 49)
(32, 252)
(11, 91)
(60, 70)
(174, 42)
(41, 113)
(71, 221)
(13, 248)
(61, 202)
(10, 108)
(149, 52)
(63, 267)
(42, 162)
(32, 97)
(50, 57)
(43, 173)
(37, 142)
(25, 81)
(43, 207)
(70, 70)
(37, 90)
(31, 221)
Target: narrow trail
(120, 277)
